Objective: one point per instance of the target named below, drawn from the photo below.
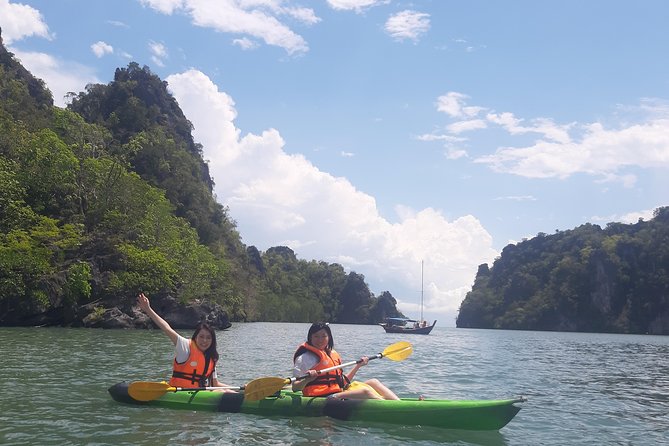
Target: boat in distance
(407, 326)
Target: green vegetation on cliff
(111, 196)
(587, 279)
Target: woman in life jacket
(195, 359)
(317, 354)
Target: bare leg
(360, 393)
(373, 390)
(382, 390)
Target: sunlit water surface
(582, 389)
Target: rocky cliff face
(660, 325)
(612, 280)
(127, 315)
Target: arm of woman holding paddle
(317, 359)
(304, 366)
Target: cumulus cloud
(258, 19)
(61, 76)
(101, 48)
(408, 25)
(283, 198)
(563, 150)
(599, 151)
(19, 21)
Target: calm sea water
(582, 389)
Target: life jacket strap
(194, 377)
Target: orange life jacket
(329, 382)
(196, 371)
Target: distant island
(589, 279)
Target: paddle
(149, 391)
(263, 387)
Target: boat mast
(421, 291)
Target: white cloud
(451, 143)
(568, 149)
(101, 48)
(158, 53)
(516, 198)
(19, 21)
(466, 46)
(436, 137)
(540, 125)
(245, 43)
(355, 5)
(347, 154)
(408, 24)
(117, 23)
(164, 6)
(600, 151)
(280, 198)
(466, 126)
(303, 15)
(453, 104)
(454, 154)
(629, 218)
(60, 76)
(258, 19)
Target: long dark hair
(212, 351)
(317, 326)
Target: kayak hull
(447, 414)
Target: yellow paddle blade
(398, 351)
(263, 387)
(148, 390)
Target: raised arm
(145, 305)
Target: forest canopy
(587, 279)
(111, 196)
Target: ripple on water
(583, 388)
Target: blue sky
(379, 133)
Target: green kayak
(447, 414)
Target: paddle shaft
(187, 389)
(336, 367)
(264, 387)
